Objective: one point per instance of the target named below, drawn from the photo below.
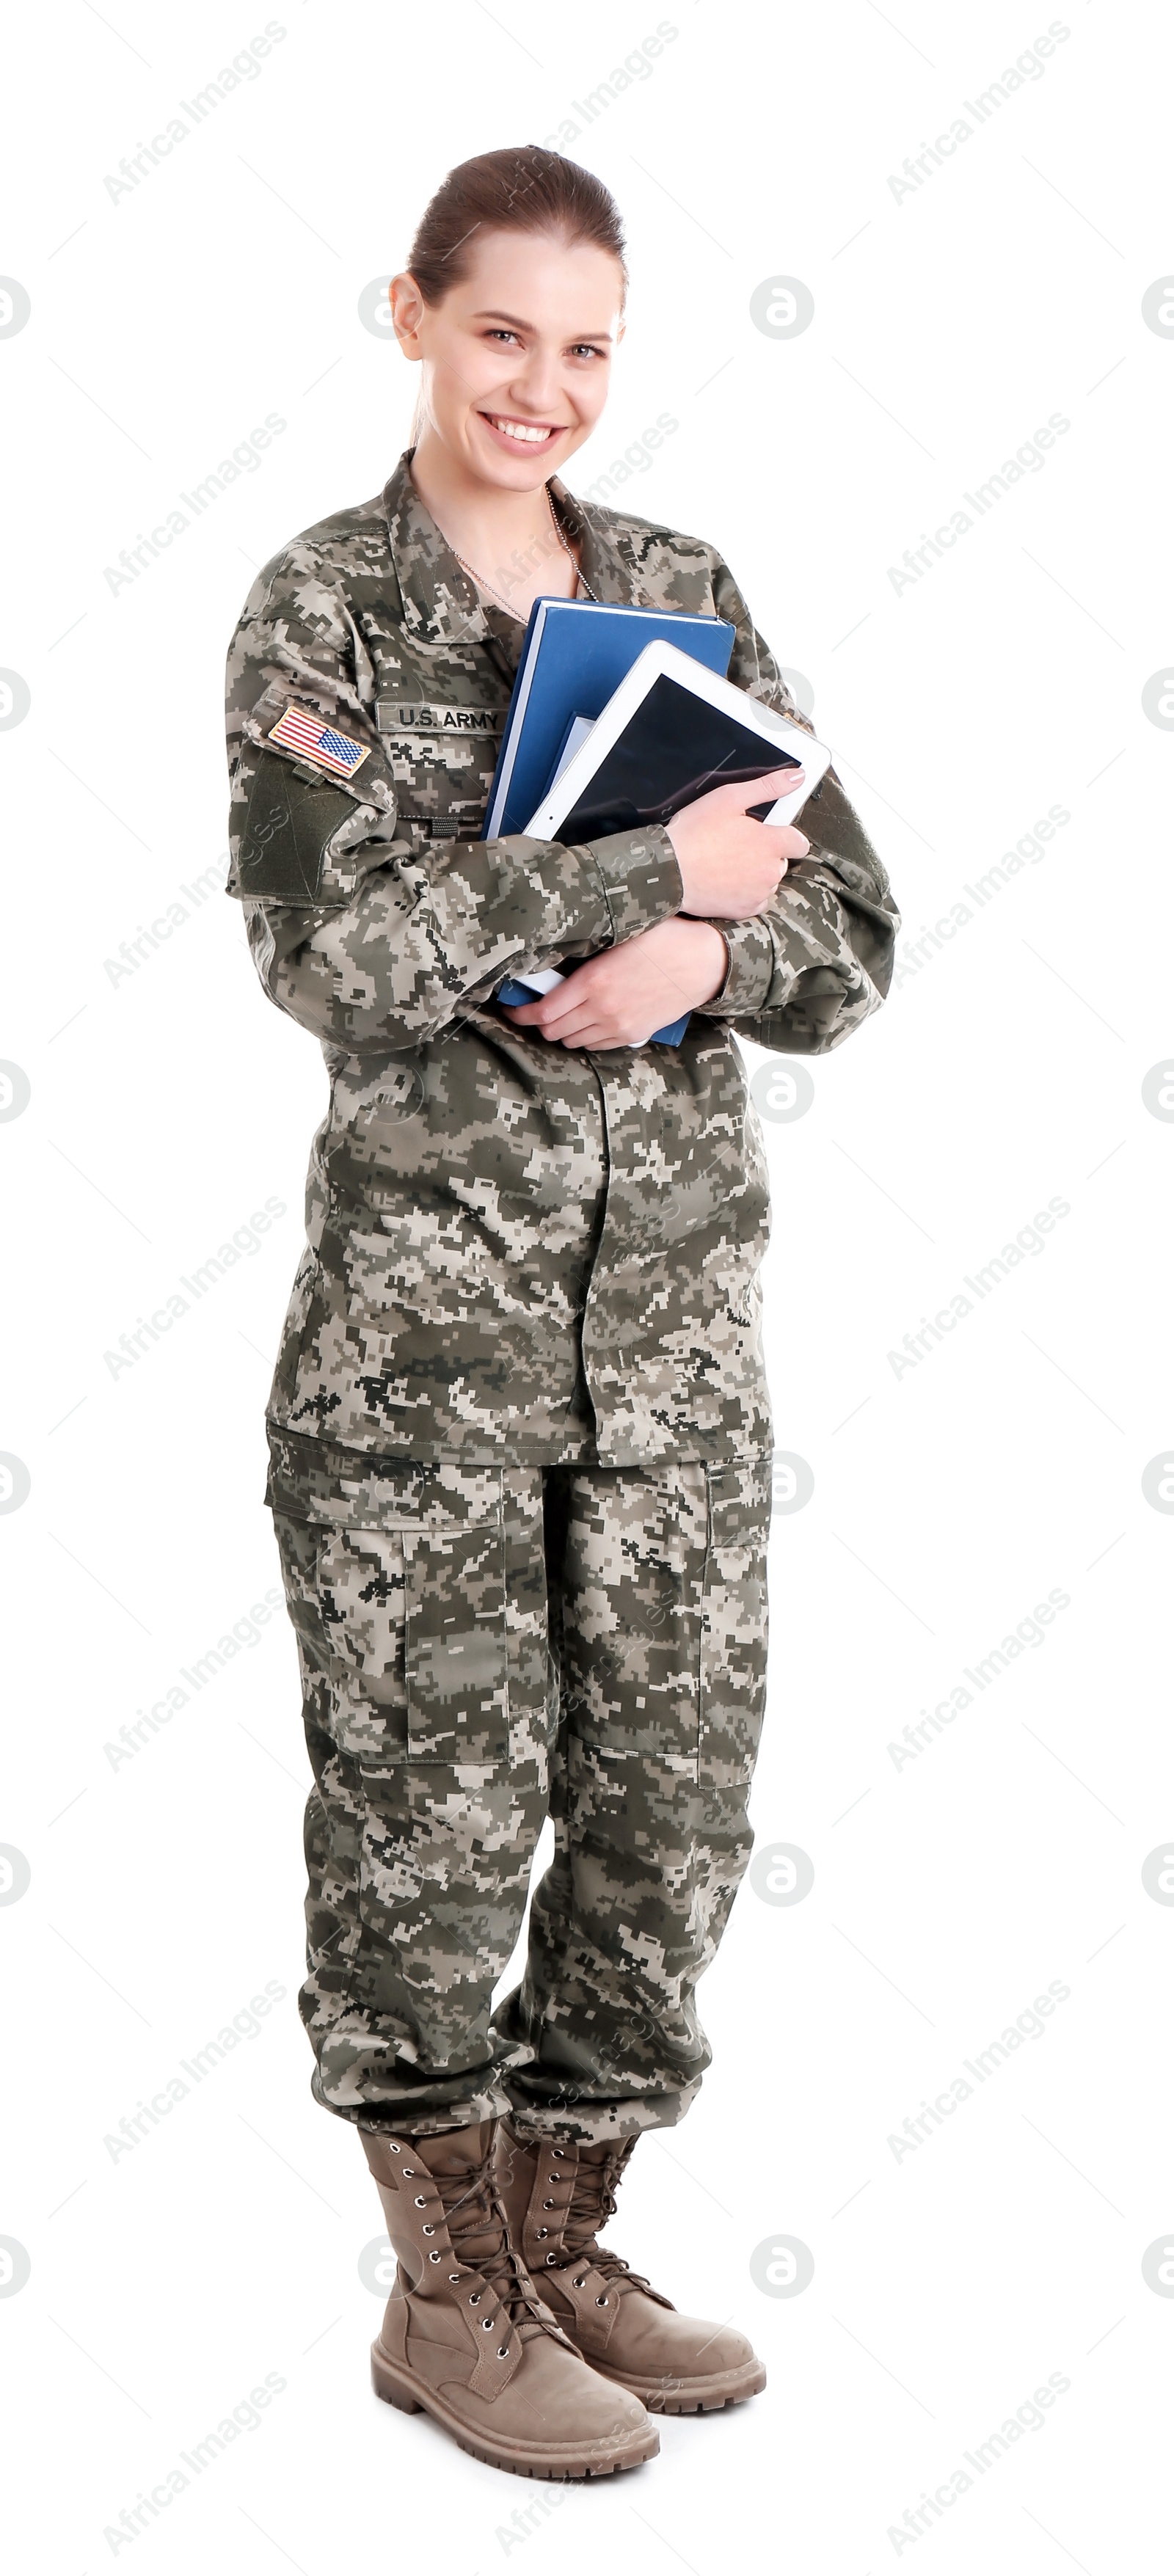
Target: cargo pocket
(360, 1591)
(415, 1617)
(734, 1624)
(455, 1670)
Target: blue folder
(575, 654)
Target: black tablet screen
(672, 749)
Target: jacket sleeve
(805, 972)
(361, 926)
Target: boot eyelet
(474, 2298)
(550, 2256)
(502, 2350)
(428, 2231)
(558, 2151)
(419, 2201)
(542, 2231)
(434, 2258)
(601, 2303)
(488, 2323)
(548, 2204)
(453, 2276)
(396, 2151)
(579, 2282)
(409, 2173)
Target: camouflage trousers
(497, 1644)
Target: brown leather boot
(465, 2335)
(556, 2198)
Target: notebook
(575, 653)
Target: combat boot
(465, 2335)
(556, 2199)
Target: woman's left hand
(618, 998)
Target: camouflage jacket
(515, 1250)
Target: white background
(950, 1889)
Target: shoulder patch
(287, 827)
(312, 739)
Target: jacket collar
(441, 602)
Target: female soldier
(519, 1429)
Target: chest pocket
(442, 760)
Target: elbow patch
(288, 826)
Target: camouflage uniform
(520, 1393)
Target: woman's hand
(730, 865)
(618, 998)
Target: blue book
(574, 656)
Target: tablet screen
(673, 748)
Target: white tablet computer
(671, 731)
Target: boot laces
(479, 2237)
(593, 2202)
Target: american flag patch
(313, 740)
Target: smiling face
(516, 360)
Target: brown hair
(521, 189)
